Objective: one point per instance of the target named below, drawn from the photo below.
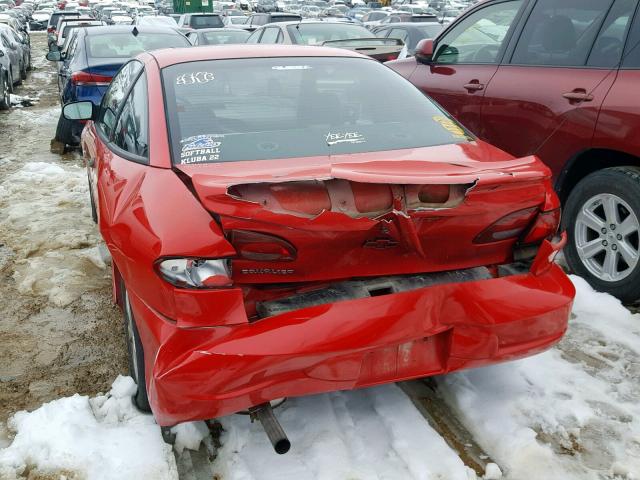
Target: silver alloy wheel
(606, 237)
(131, 337)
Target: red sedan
(279, 228)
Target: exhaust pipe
(272, 428)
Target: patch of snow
(189, 435)
(492, 472)
(374, 433)
(99, 438)
(569, 413)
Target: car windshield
(318, 33)
(271, 108)
(206, 21)
(224, 37)
(126, 45)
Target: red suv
(558, 79)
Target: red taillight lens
(509, 227)
(50, 29)
(84, 78)
(545, 225)
(262, 247)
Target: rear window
(318, 33)
(270, 108)
(225, 37)
(126, 45)
(206, 21)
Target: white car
(159, 21)
(121, 20)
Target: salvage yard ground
(569, 413)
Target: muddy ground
(59, 332)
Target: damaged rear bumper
(199, 373)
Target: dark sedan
(98, 54)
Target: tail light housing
(262, 247)
(545, 225)
(509, 227)
(199, 273)
(50, 29)
(89, 79)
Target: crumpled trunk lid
(374, 214)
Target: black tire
(624, 183)
(23, 72)
(19, 80)
(136, 354)
(29, 65)
(5, 95)
(11, 88)
(64, 131)
(94, 211)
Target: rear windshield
(318, 33)
(126, 45)
(206, 21)
(225, 37)
(270, 108)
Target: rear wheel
(602, 219)
(5, 95)
(23, 72)
(136, 354)
(64, 131)
(29, 65)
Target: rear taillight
(89, 79)
(50, 30)
(262, 247)
(509, 227)
(545, 225)
(196, 272)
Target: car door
(546, 98)
(618, 122)
(13, 54)
(466, 57)
(100, 150)
(64, 71)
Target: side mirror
(1, 54)
(424, 51)
(54, 56)
(78, 111)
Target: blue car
(95, 56)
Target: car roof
(129, 28)
(207, 30)
(172, 56)
(308, 22)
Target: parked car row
(15, 49)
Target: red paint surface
(206, 352)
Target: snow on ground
(58, 262)
(366, 434)
(101, 438)
(570, 413)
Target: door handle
(474, 87)
(578, 95)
